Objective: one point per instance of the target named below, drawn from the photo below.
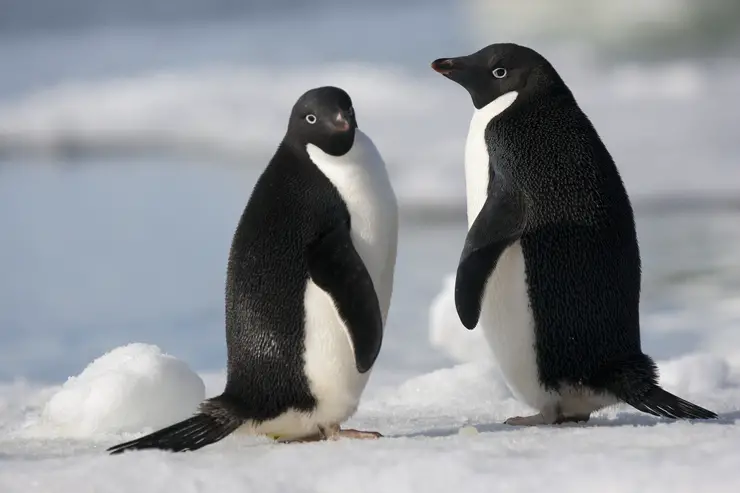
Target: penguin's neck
(477, 158)
(361, 178)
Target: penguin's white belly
(329, 359)
(508, 326)
(329, 365)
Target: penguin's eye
(311, 119)
(499, 72)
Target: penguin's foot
(336, 432)
(317, 437)
(534, 420)
(540, 419)
(330, 433)
(578, 418)
(358, 434)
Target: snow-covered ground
(442, 430)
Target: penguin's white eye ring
(311, 119)
(499, 72)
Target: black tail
(659, 402)
(635, 381)
(214, 422)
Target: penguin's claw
(318, 437)
(539, 419)
(572, 419)
(534, 420)
(331, 433)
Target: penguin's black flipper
(336, 267)
(214, 423)
(635, 381)
(500, 223)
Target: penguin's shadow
(623, 419)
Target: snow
(699, 372)
(448, 335)
(129, 389)
(442, 431)
(442, 420)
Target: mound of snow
(129, 389)
(476, 384)
(440, 402)
(695, 374)
(448, 334)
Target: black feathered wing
(336, 267)
(499, 223)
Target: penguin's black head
(498, 69)
(324, 117)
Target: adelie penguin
(308, 287)
(551, 263)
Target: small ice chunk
(468, 431)
(132, 388)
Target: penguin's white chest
(361, 178)
(506, 314)
(508, 325)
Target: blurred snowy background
(131, 133)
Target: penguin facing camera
(308, 288)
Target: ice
(448, 334)
(131, 388)
(639, 25)
(236, 114)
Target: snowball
(449, 335)
(132, 388)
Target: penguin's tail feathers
(215, 421)
(660, 402)
(635, 381)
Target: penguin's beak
(446, 66)
(341, 123)
(343, 120)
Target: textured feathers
(577, 288)
(215, 422)
(499, 224)
(336, 267)
(634, 380)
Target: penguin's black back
(580, 247)
(292, 202)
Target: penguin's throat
(477, 157)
